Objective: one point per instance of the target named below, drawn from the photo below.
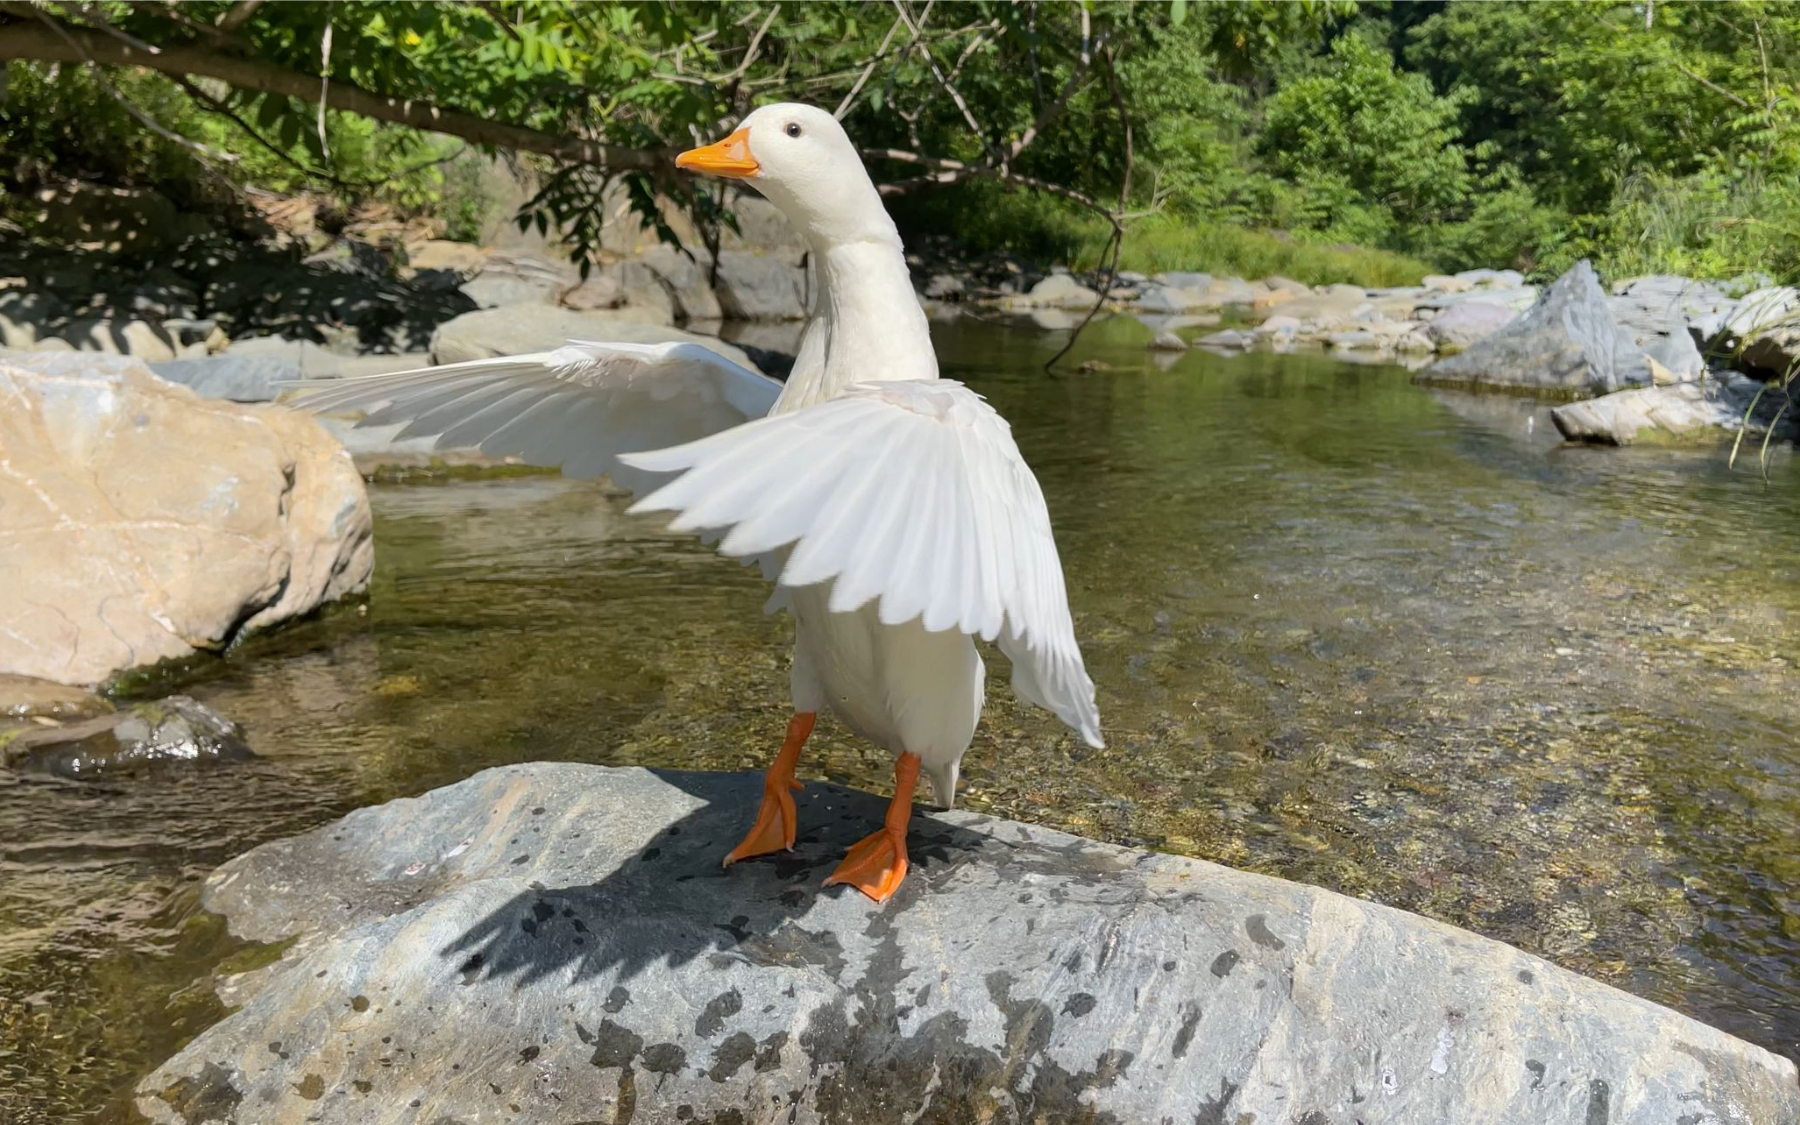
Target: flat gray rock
(557, 942)
(240, 378)
(1566, 343)
(1694, 410)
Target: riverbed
(1392, 641)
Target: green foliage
(1468, 133)
(1015, 222)
(1367, 133)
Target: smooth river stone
(557, 942)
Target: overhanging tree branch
(81, 46)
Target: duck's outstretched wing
(576, 408)
(909, 493)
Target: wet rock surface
(143, 736)
(557, 942)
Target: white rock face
(144, 522)
(1060, 291)
(1680, 411)
(556, 942)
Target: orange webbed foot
(776, 822)
(874, 865)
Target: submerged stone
(142, 736)
(557, 942)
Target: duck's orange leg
(775, 820)
(876, 863)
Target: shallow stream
(1346, 630)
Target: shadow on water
(673, 901)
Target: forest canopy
(1653, 137)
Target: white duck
(891, 505)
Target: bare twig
(880, 52)
(170, 12)
(938, 72)
(324, 86)
(1116, 243)
(494, 13)
(1050, 111)
(214, 105)
(98, 19)
(238, 15)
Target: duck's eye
(793, 129)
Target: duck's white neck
(866, 322)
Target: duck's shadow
(673, 901)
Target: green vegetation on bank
(1322, 139)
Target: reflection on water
(1393, 641)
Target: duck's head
(800, 158)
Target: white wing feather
(578, 407)
(909, 493)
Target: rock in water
(143, 736)
(1689, 410)
(1567, 342)
(557, 942)
(143, 522)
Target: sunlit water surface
(1346, 630)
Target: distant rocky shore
(234, 317)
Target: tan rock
(148, 342)
(444, 254)
(29, 698)
(144, 522)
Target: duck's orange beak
(729, 158)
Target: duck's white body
(898, 686)
(891, 506)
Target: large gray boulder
(518, 329)
(516, 279)
(1460, 325)
(1566, 343)
(557, 942)
(755, 286)
(1761, 332)
(688, 279)
(1659, 304)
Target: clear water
(1346, 630)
